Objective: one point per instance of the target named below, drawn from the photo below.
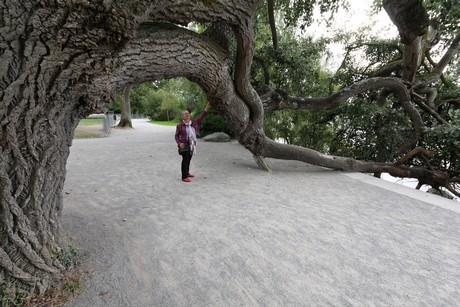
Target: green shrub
(214, 123)
(67, 256)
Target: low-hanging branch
(435, 178)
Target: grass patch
(11, 295)
(171, 123)
(70, 285)
(73, 285)
(91, 121)
(67, 256)
(84, 135)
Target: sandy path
(237, 236)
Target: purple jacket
(181, 132)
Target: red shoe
(190, 175)
(186, 180)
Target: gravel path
(238, 236)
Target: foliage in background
(359, 128)
(214, 123)
(164, 100)
(446, 13)
(300, 13)
(296, 68)
(445, 141)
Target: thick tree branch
(419, 100)
(412, 22)
(409, 16)
(388, 69)
(274, 101)
(414, 152)
(271, 20)
(245, 51)
(447, 57)
(259, 61)
(215, 80)
(433, 64)
(451, 52)
(144, 59)
(291, 152)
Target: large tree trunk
(33, 152)
(36, 132)
(48, 57)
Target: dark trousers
(185, 167)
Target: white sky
(359, 16)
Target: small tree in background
(125, 121)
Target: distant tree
(125, 120)
(169, 104)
